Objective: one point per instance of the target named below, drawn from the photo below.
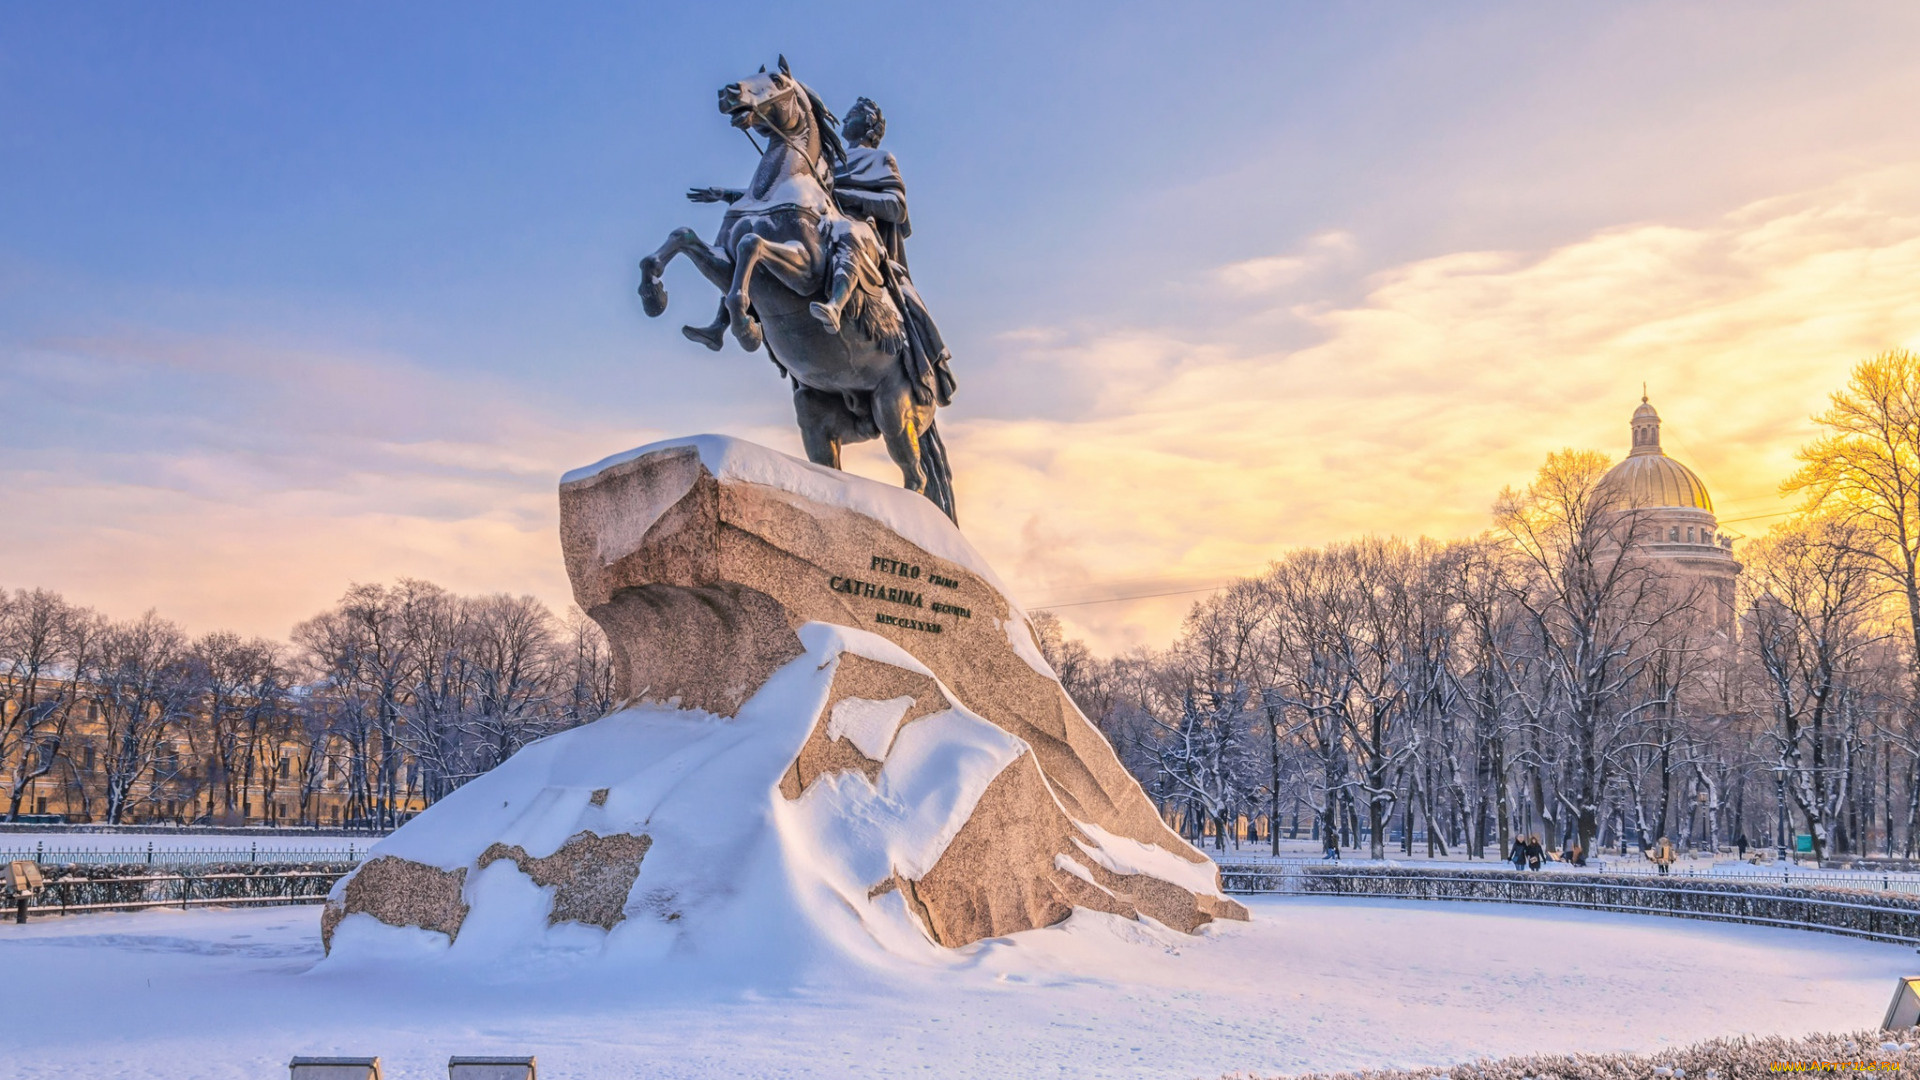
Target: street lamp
(1780, 810)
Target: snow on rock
(833, 742)
(867, 724)
(727, 459)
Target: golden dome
(1648, 477)
(1650, 480)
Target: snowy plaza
(1309, 984)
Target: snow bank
(736, 871)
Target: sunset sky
(292, 297)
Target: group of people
(1528, 853)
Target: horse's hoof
(705, 335)
(827, 315)
(653, 295)
(748, 333)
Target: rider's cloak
(868, 185)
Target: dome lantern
(1646, 429)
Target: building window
(1673, 533)
(40, 805)
(89, 757)
(285, 764)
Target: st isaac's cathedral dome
(1648, 477)
(1677, 513)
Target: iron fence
(76, 889)
(1897, 881)
(1872, 914)
(159, 856)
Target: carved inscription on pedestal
(906, 597)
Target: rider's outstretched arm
(715, 194)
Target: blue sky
(296, 296)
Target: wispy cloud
(1268, 273)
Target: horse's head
(782, 108)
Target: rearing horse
(772, 257)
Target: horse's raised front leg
(793, 263)
(713, 262)
(901, 424)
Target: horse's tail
(933, 462)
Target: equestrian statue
(811, 256)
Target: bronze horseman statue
(825, 224)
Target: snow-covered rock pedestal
(836, 731)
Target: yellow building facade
(63, 773)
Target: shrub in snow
(1739, 1057)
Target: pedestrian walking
(1663, 855)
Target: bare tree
(516, 669)
(44, 644)
(145, 689)
(1202, 756)
(1493, 663)
(1865, 470)
(245, 685)
(361, 653)
(1814, 598)
(590, 676)
(1592, 601)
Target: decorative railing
(1864, 913)
(75, 889)
(159, 855)
(1871, 879)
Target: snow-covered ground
(1311, 983)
